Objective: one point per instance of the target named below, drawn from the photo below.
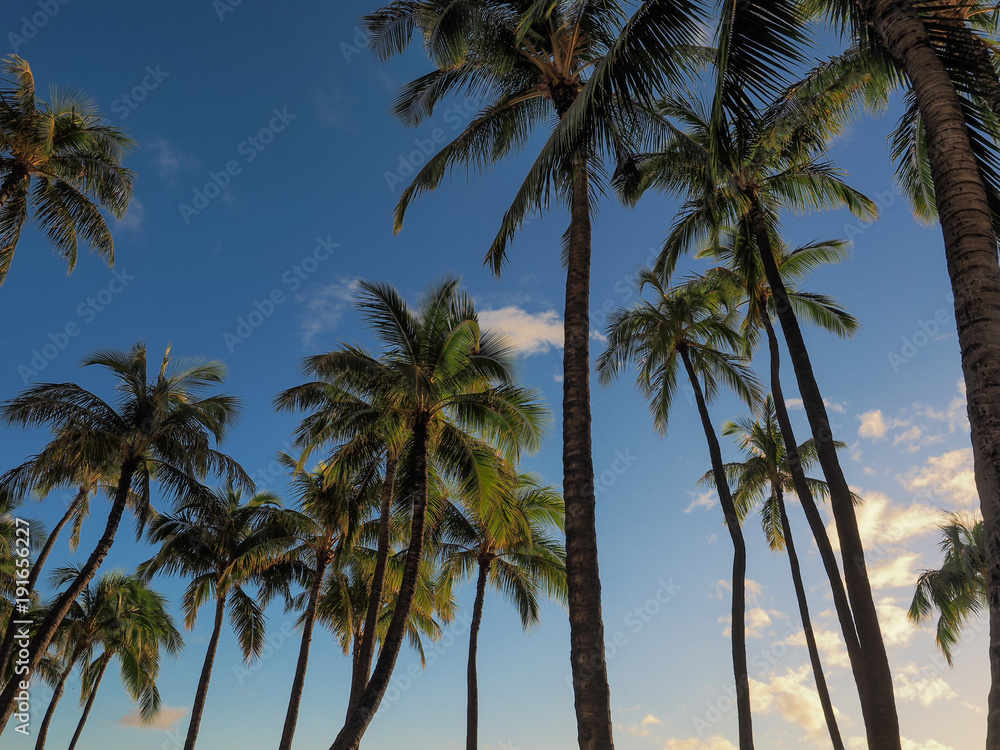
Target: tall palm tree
(956, 590)
(742, 173)
(158, 429)
(515, 554)
(587, 67)
(61, 161)
(451, 385)
(691, 330)
(762, 481)
(127, 620)
(223, 544)
(965, 201)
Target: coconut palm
(956, 590)
(61, 162)
(587, 68)
(515, 554)
(451, 385)
(224, 545)
(691, 330)
(160, 429)
(743, 173)
(762, 480)
(128, 621)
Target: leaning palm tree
(160, 429)
(742, 172)
(691, 332)
(586, 68)
(224, 545)
(514, 553)
(452, 386)
(60, 161)
(762, 480)
(956, 590)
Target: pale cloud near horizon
(715, 742)
(165, 719)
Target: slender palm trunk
(43, 728)
(11, 183)
(7, 646)
(206, 675)
(971, 253)
(800, 594)
(47, 628)
(472, 713)
(882, 726)
(841, 604)
(366, 651)
(587, 657)
(739, 634)
(298, 683)
(90, 702)
(364, 711)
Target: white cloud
(792, 697)
(165, 719)
(707, 499)
(649, 720)
(896, 629)
(883, 523)
(715, 742)
(531, 333)
(133, 218)
(911, 435)
(950, 477)
(833, 651)
(325, 307)
(873, 426)
(912, 685)
(898, 572)
(796, 403)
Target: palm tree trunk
(298, 683)
(7, 646)
(47, 629)
(10, 184)
(587, 657)
(883, 728)
(364, 711)
(472, 713)
(739, 635)
(841, 604)
(43, 729)
(206, 675)
(366, 652)
(800, 594)
(971, 252)
(90, 702)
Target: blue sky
(288, 115)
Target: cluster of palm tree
(417, 492)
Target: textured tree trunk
(7, 646)
(971, 253)
(43, 728)
(739, 634)
(47, 629)
(589, 666)
(90, 702)
(362, 665)
(298, 683)
(364, 711)
(206, 676)
(883, 728)
(472, 713)
(800, 594)
(804, 493)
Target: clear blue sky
(289, 116)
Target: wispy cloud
(171, 161)
(325, 305)
(531, 333)
(134, 217)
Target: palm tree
(956, 590)
(161, 429)
(223, 545)
(127, 620)
(451, 385)
(62, 161)
(761, 481)
(741, 173)
(691, 329)
(588, 67)
(515, 554)
(946, 79)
